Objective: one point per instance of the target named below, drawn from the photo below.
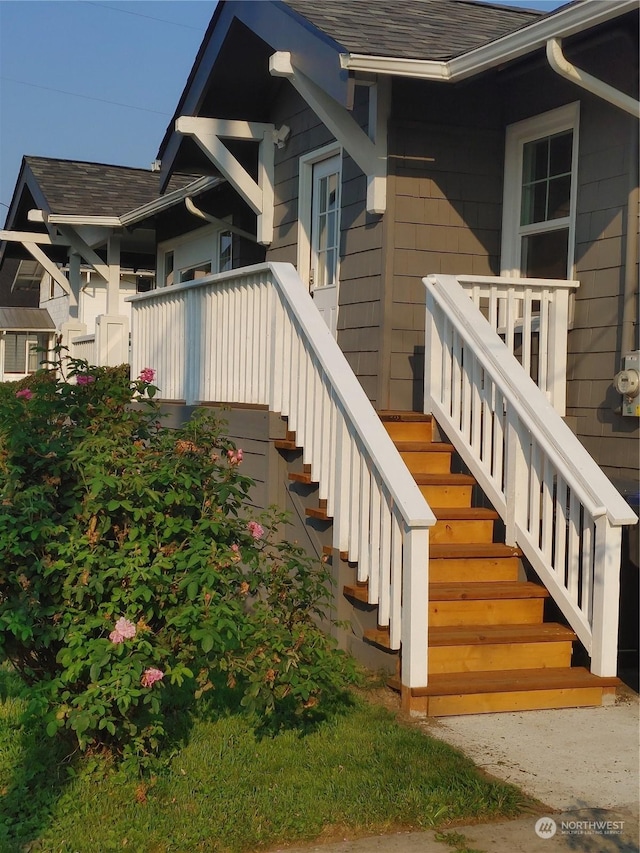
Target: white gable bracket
(370, 156)
(54, 271)
(32, 241)
(208, 134)
(85, 251)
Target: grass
(230, 789)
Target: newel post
(415, 606)
(606, 597)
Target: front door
(325, 239)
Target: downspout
(631, 297)
(561, 65)
(227, 226)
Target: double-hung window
(540, 195)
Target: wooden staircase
(489, 646)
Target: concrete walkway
(582, 763)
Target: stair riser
(462, 531)
(427, 462)
(466, 571)
(520, 611)
(488, 703)
(452, 496)
(498, 656)
(401, 431)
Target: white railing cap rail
(511, 281)
(411, 504)
(577, 467)
(83, 339)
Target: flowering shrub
(131, 568)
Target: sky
(98, 81)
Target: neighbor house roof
(429, 29)
(28, 319)
(93, 189)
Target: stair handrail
(253, 335)
(577, 465)
(558, 505)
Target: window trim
(517, 135)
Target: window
(21, 351)
(195, 255)
(225, 251)
(195, 272)
(168, 269)
(539, 195)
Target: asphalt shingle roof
(32, 319)
(92, 189)
(412, 29)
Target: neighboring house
(26, 331)
(90, 231)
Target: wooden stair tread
(475, 635)
(285, 444)
(303, 478)
(424, 446)
(474, 513)
(320, 514)
(444, 479)
(485, 591)
(404, 417)
(514, 680)
(457, 551)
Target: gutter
(196, 187)
(566, 22)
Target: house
(416, 283)
(77, 262)
(24, 328)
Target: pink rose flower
(150, 676)
(235, 548)
(256, 530)
(85, 379)
(124, 630)
(235, 456)
(147, 374)
(24, 394)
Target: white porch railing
(84, 347)
(254, 336)
(531, 315)
(557, 504)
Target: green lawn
(229, 789)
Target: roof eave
(164, 202)
(564, 23)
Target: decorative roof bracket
(208, 134)
(32, 242)
(370, 155)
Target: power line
(140, 15)
(86, 97)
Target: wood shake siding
(360, 289)
(608, 148)
(446, 183)
(607, 171)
